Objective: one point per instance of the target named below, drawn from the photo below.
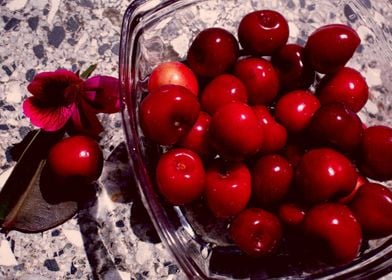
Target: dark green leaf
(87, 73)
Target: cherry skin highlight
(295, 109)
(180, 176)
(212, 52)
(260, 79)
(197, 138)
(376, 153)
(336, 231)
(228, 188)
(271, 179)
(221, 90)
(167, 113)
(372, 206)
(76, 157)
(334, 124)
(346, 86)
(324, 174)
(329, 47)
(256, 231)
(263, 32)
(236, 132)
(173, 73)
(291, 214)
(275, 134)
(294, 73)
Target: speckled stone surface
(112, 238)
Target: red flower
(62, 99)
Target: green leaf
(87, 73)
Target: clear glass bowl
(157, 31)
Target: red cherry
(376, 153)
(361, 180)
(180, 176)
(167, 113)
(260, 79)
(76, 157)
(336, 230)
(275, 134)
(346, 86)
(293, 151)
(236, 132)
(228, 188)
(263, 32)
(256, 232)
(329, 47)
(337, 125)
(212, 52)
(293, 72)
(295, 109)
(291, 214)
(323, 174)
(372, 206)
(197, 138)
(221, 90)
(173, 73)
(271, 179)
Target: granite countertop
(113, 238)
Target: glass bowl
(157, 31)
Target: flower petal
(47, 118)
(85, 121)
(57, 88)
(103, 94)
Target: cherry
(291, 214)
(324, 174)
(221, 90)
(271, 179)
(167, 113)
(197, 138)
(260, 79)
(263, 32)
(361, 180)
(376, 153)
(78, 157)
(292, 70)
(346, 86)
(180, 176)
(295, 109)
(236, 132)
(372, 206)
(212, 52)
(337, 125)
(329, 47)
(228, 188)
(173, 73)
(256, 232)
(336, 230)
(275, 134)
(294, 150)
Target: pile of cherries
(269, 137)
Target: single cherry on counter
(76, 157)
